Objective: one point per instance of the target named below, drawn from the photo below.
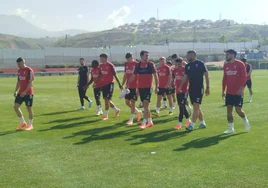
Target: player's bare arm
(207, 84)
(124, 80)
(117, 80)
(185, 77)
(17, 88)
(156, 82)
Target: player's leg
(229, 103)
(165, 101)
(249, 85)
(240, 112)
(160, 95)
(146, 97)
(17, 104)
(109, 96)
(87, 99)
(81, 97)
(181, 111)
(170, 101)
(196, 99)
(186, 113)
(30, 124)
(97, 93)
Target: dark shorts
(249, 84)
(132, 95)
(28, 99)
(196, 95)
(97, 92)
(107, 91)
(182, 98)
(145, 94)
(234, 100)
(172, 91)
(163, 91)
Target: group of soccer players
(170, 78)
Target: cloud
(58, 18)
(79, 16)
(118, 16)
(20, 12)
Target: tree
(223, 39)
(255, 36)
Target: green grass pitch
(70, 148)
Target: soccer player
(24, 92)
(106, 79)
(194, 72)
(165, 78)
(249, 82)
(83, 79)
(95, 72)
(131, 98)
(172, 88)
(146, 70)
(182, 94)
(233, 82)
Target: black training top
(82, 71)
(195, 72)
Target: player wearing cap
(233, 82)
(24, 92)
(249, 82)
(146, 70)
(83, 79)
(165, 78)
(95, 72)
(184, 63)
(194, 72)
(106, 79)
(182, 94)
(131, 98)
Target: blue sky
(93, 15)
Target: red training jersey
(24, 76)
(107, 73)
(234, 77)
(248, 69)
(178, 74)
(95, 72)
(164, 74)
(145, 71)
(129, 70)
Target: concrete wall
(70, 56)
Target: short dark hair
(231, 51)
(174, 56)
(129, 55)
(20, 59)
(94, 63)
(143, 52)
(178, 60)
(104, 55)
(81, 59)
(244, 60)
(191, 52)
(169, 63)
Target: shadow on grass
(57, 113)
(95, 133)
(9, 132)
(71, 125)
(69, 119)
(157, 136)
(206, 142)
